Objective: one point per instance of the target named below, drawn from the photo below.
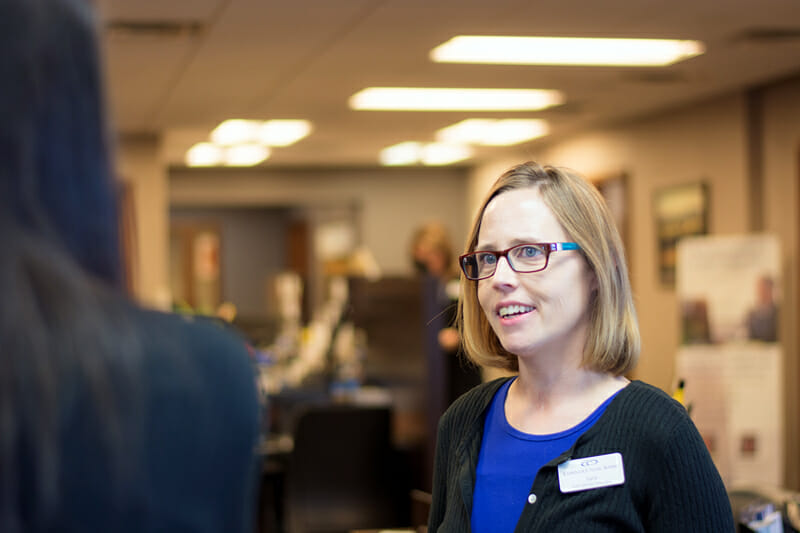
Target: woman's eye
(530, 251)
(487, 259)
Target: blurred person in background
(433, 257)
(112, 418)
(568, 443)
(762, 318)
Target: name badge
(591, 473)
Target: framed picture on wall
(613, 187)
(680, 211)
(195, 265)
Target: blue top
(508, 463)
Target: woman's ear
(593, 283)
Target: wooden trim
(128, 236)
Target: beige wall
(139, 163)
(781, 173)
(703, 142)
(392, 202)
(710, 141)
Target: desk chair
(342, 473)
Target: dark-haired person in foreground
(568, 444)
(112, 418)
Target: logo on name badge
(591, 473)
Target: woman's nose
(503, 273)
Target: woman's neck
(552, 399)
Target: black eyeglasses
(522, 258)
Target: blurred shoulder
(193, 352)
(201, 421)
(195, 331)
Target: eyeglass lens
(522, 258)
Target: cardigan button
(531, 498)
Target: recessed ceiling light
(443, 99)
(245, 155)
(565, 51)
(493, 132)
(405, 153)
(241, 155)
(204, 155)
(282, 132)
(235, 131)
(411, 153)
(444, 153)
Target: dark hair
(64, 334)
(55, 177)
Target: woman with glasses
(568, 443)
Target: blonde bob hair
(613, 342)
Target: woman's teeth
(511, 310)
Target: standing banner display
(730, 360)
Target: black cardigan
(671, 483)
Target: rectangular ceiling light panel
(565, 51)
(493, 132)
(445, 99)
